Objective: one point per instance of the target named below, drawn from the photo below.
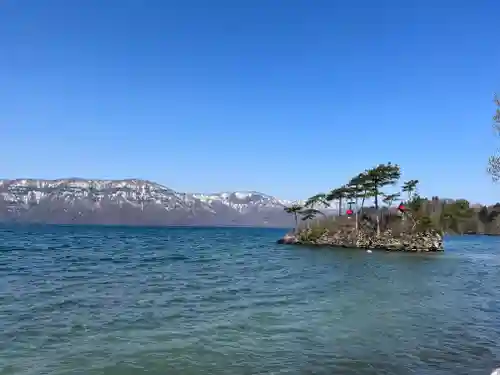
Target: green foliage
(317, 200)
(421, 213)
(361, 188)
(381, 176)
(311, 234)
(483, 215)
(459, 210)
(338, 194)
(353, 192)
(310, 213)
(410, 188)
(415, 203)
(359, 185)
(424, 223)
(305, 213)
(455, 215)
(389, 199)
(294, 209)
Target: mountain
(133, 202)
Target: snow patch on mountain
(115, 200)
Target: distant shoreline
(287, 230)
(5, 223)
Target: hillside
(133, 202)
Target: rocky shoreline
(428, 241)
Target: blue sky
(286, 97)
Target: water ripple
(111, 300)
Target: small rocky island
(427, 241)
(408, 225)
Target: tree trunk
(356, 208)
(363, 203)
(296, 222)
(340, 206)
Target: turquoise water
(104, 300)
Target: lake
(123, 301)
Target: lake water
(123, 301)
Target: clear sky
(286, 97)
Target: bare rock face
(428, 241)
(419, 241)
(288, 239)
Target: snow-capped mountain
(133, 202)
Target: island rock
(426, 241)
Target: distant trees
(377, 185)
(456, 215)
(450, 216)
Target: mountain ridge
(132, 201)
